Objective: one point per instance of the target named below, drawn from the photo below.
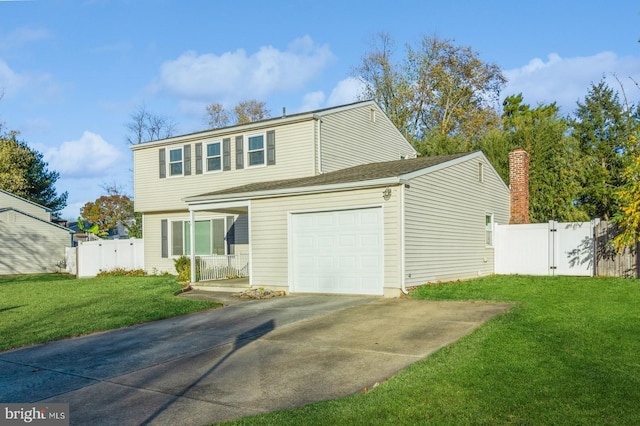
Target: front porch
(218, 267)
(228, 273)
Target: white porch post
(192, 244)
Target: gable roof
(382, 173)
(254, 125)
(47, 209)
(7, 209)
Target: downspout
(250, 271)
(192, 244)
(319, 146)
(402, 242)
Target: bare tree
(250, 111)
(217, 116)
(146, 126)
(244, 112)
(437, 89)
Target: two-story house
(29, 241)
(329, 201)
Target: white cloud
(10, 81)
(90, 155)
(234, 76)
(346, 91)
(567, 80)
(41, 85)
(21, 36)
(312, 101)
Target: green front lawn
(40, 308)
(567, 353)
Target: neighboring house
(29, 241)
(330, 201)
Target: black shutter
(226, 154)
(164, 237)
(187, 160)
(199, 158)
(163, 163)
(271, 147)
(239, 152)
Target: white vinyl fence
(106, 255)
(545, 249)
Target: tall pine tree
(603, 127)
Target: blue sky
(72, 72)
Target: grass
(41, 308)
(567, 353)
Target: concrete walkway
(248, 358)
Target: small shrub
(183, 268)
(121, 272)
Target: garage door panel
(338, 252)
(347, 242)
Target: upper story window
(175, 162)
(256, 151)
(214, 157)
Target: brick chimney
(519, 184)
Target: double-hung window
(488, 229)
(256, 151)
(214, 157)
(175, 162)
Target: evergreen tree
(603, 128)
(23, 172)
(555, 165)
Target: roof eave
(394, 180)
(225, 131)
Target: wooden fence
(610, 263)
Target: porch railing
(220, 267)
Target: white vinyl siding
(445, 223)
(350, 137)
(269, 231)
(45, 247)
(295, 154)
(19, 203)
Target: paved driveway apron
(239, 360)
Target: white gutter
(403, 285)
(319, 153)
(249, 218)
(231, 198)
(192, 244)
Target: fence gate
(106, 255)
(545, 249)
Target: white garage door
(337, 252)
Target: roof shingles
(364, 172)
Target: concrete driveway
(249, 358)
